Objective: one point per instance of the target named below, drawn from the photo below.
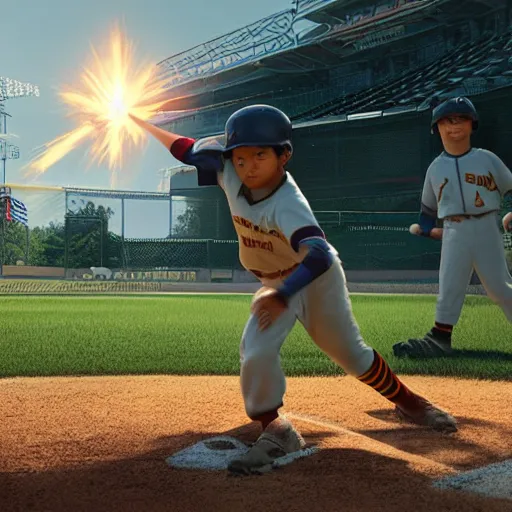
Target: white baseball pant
(324, 309)
(474, 243)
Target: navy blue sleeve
(427, 223)
(317, 261)
(207, 163)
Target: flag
(17, 211)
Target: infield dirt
(100, 444)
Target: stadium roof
(316, 35)
(289, 42)
(309, 35)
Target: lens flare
(111, 87)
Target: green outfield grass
(199, 334)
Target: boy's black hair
(278, 150)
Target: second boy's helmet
(258, 125)
(454, 106)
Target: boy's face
(455, 128)
(258, 167)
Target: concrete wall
(27, 271)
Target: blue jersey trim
(318, 260)
(303, 233)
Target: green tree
(36, 256)
(206, 218)
(88, 237)
(188, 224)
(14, 243)
(47, 245)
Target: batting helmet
(258, 125)
(454, 106)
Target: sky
(47, 42)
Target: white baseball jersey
(265, 228)
(471, 184)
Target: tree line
(81, 241)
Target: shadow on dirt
(425, 442)
(330, 480)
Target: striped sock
(381, 378)
(442, 331)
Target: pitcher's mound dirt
(100, 444)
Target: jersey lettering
(479, 202)
(258, 229)
(257, 244)
(482, 180)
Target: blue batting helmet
(258, 125)
(461, 106)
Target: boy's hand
(507, 222)
(267, 306)
(435, 233)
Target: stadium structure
(358, 78)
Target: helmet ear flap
(475, 126)
(434, 130)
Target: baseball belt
(464, 216)
(275, 275)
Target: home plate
(494, 481)
(216, 453)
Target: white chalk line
(410, 457)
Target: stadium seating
(468, 69)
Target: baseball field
(99, 390)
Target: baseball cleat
(428, 415)
(426, 347)
(277, 440)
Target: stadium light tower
(9, 89)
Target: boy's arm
(428, 212)
(504, 183)
(318, 260)
(165, 137)
(205, 155)
(300, 227)
(503, 178)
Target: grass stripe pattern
(199, 335)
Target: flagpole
(4, 159)
(2, 227)
(27, 247)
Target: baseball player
(282, 244)
(464, 187)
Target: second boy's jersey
(471, 184)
